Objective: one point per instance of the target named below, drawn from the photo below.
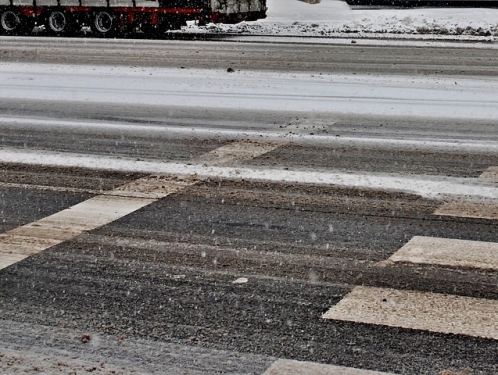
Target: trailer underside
(110, 18)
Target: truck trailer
(111, 18)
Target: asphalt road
(360, 58)
(229, 274)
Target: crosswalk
(442, 313)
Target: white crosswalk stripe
(448, 252)
(418, 310)
(290, 367)
(471, 209)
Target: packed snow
(386, 95)
(335, 18)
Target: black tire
(13, 22)
(104, 23)
(60, 23)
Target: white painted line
(375, 39)
(290, 367)
(8, 259)
(417, 310)
(448, 252)
(425, 186)
(490, 173)
(237, 151)
(477, 210)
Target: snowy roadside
(334, 18)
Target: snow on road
(462, 98)
(336, 18)
(436, 187)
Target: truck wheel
(12, 22)
(60, 23)
(104, 24)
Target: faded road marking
(448, 252)
(290, 367)
(237, 151)
(472, 209)
(418, 310)
(62, 189)
(490, 173)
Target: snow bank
(336, 18)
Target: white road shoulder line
(448, 252)
(290, 367)
(418, 310)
